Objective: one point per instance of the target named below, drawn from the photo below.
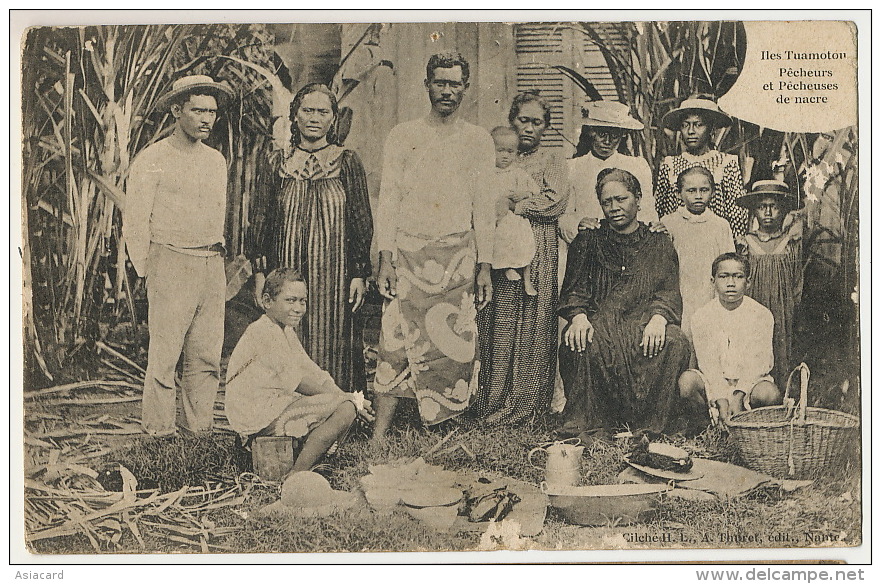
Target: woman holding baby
(518, 330)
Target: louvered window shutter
(593, 64)
(539, 45)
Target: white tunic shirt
(734, 347)
(437, 181)
(176, 198)
(265, 370)
(698, 239)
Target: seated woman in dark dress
(622, 349)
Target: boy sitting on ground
(732, 337)
(273, 388)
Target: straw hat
(676, 475)
(609, 114)
(195, 83)
(672, 120)
(308, 494)
(769, 188)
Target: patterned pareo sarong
(428, 338)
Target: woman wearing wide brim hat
(605, 124)
(696, 119)
(195, 85)
(308, 494)
(706, 108)
(774, 248)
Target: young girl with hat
(775, 252)
(697, 119)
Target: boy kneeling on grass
(733, 340)
(273, 388)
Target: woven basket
(792, 440)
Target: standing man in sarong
(173, 227)
(434, 213)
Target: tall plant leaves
(90, 95)
(586, 86)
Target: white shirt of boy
(734, 348)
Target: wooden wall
(388, 96)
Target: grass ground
(828, 511)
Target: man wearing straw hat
(173, 227)
(607, 125)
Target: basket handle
(805, 376)
(802, 406)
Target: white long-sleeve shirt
(436, 181)
(176, 198)
(698, 239)
(734, 348)
(583, 202)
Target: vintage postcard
(592, 286)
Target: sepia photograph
(313, 287)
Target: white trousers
(186, 297)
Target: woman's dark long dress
(620, 281)
(323, 227)
(518, 333)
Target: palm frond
(586, 86)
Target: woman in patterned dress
(696, 120)
(323, 228)
(518, 332)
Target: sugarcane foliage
(89, 106)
